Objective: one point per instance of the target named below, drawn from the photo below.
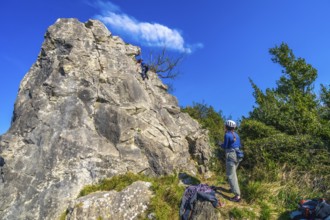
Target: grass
(117, 183)
(167, 192)
(242, 213)
(166, 202)
(265, 212)
(254, 191)
(270, 198)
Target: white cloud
(147, 34)
(104, 6)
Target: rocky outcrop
(127, 204)
(83, 113)
(204, 210)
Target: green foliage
(289, 197)
(283, 169)
(288, 131)
(265, 212)
(299, 152)
(325, 95)
(325, 100)
(254, 191)
(298, 76)
(209, 119)
(292, 106)
(217, 159)
(117, 183)
(244, 213)
(252, 129)
(214, 123)
(295, 114)
(167, 192)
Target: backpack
(322, 209)
(2, 161)
(307, 208)
(314, 208)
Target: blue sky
(226, 42)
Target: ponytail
(233, 135)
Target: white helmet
(230, 124)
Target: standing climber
(231, 145)
(144, 69)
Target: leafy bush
(209, 119)
(252, 129)
(301, 152)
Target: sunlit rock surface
(83, 113)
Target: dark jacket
(191, 194)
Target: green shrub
(252, 129)
(209, 119)
(303, 152)
(217, 160)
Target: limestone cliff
(84, 113)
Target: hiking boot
(235, 199)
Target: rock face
(204, 210)
(127, 204)
(83, 113)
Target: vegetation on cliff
(286, 144)
(286, 138)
